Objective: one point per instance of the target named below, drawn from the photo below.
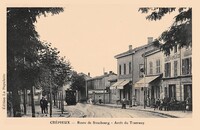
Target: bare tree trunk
(25, 100)
(16, 103)
(59, 100)
(32, 102)
(54, 99)
(62, 103)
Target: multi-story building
(177, 77)
(150, 84)
(166, 75)
(98, 87)
(128, 71)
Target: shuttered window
(158, 66)
(120, 69)
(167, 69)
(187, 66)
(150, 67)
(175, 69)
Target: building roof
(85, 75)
(132, 51)
(102, 76)
(151, 52)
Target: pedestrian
(90, 100)
(157, 105)
(188, 103)
(42, 105)
(45, 106)
(123, 103)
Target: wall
(180, 80)
(96, 96)
(122, 61)
(153, 58)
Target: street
(107, 111)
(94, 111)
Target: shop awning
(144, 82)
(125, 82)
(120, 84)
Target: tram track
(95, 111)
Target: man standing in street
(123, 103)
(45, 106)
(42, 105)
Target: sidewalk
(173, 114)
(55, 112)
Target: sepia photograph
(98, 64)
(99, 61)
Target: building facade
(150, 84)
(129, 64)
(98, 87)
(166, 76)
(146, 74)
(177, 76)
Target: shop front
(120, 90)
(147, 90)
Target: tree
(22, 50)
(54, 71)
(180, 32)
(78, 83)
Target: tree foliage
(26, 63)
(180, 32)
(78, 82)
(23, 45)
(54, 69)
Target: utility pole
(144, 79)
(50, 95)
(86, 89)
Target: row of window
(186, 67)
(157, 67)
(124, 68)
(176, 48)
(171, 91)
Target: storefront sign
(96, 91)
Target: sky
(90, 35)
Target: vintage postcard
(99, 64)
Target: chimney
(89, 74)
(110, 72)
(150, 40)
(130, 47)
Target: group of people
(167, 104)
(172, 104)
(44, 105)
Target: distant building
(82, 94)
(98, 87)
